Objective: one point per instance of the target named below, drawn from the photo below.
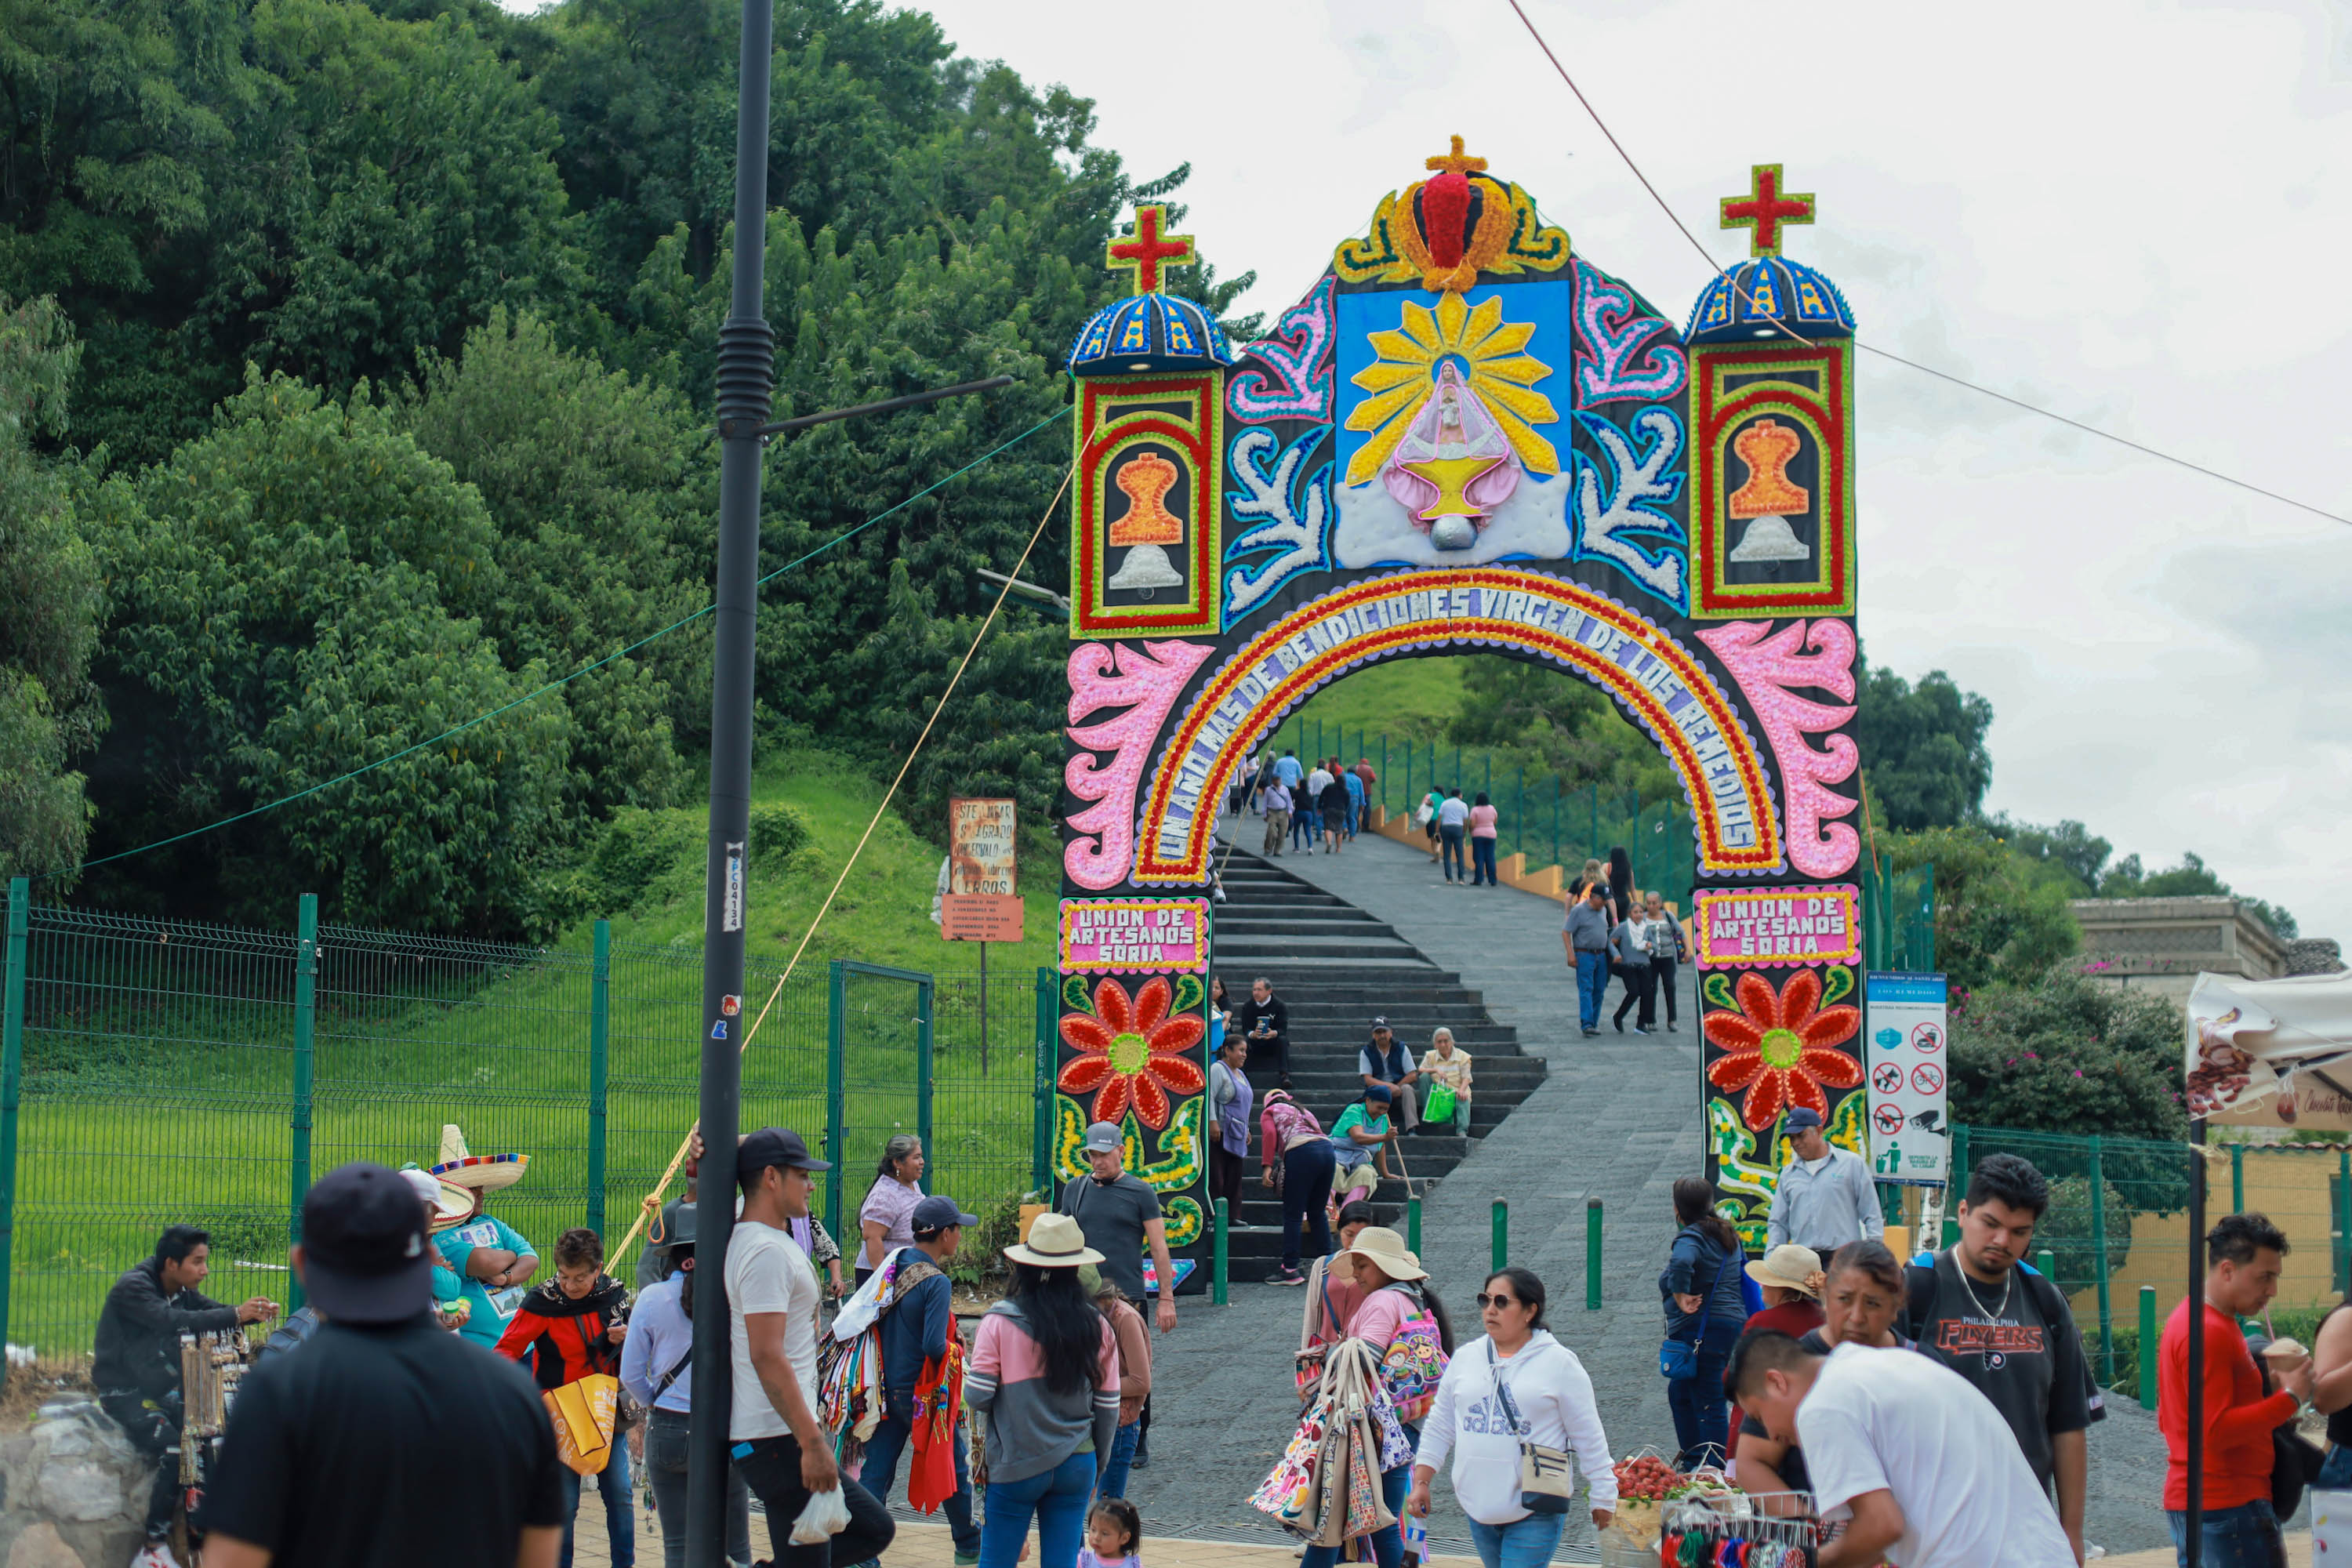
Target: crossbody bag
(1678, 1359)
(1546, 1480)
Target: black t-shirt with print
(386, 1447)
(2027, 1362)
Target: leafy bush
(2066, 1055)
(2065, 1230)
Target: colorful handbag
(585, 1412)
(1412, 1364)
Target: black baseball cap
(773, 1146)
(935, 1213)
(365, 1254)
(1379, 1021)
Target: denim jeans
(1057, 1497)
(1122, 1456)
(1388, 1543)
(619, 1511)
(1449, 844)
(1482, 861)
(1701, 1412)
(1306, 1175)
(2336, 1474)
(880, 1470)
(665, 1444)
(1591, 980)
(1524, 1543)
(2246, 1536)
(1355, 815)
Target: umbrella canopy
(2271, 1053)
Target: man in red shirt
(2243, 1255)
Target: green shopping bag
(1441, 1104)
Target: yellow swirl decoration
(1184, 1221)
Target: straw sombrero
(447, 1204)
(1791, 1268)
(476, 1173)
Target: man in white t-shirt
(778, 1446)
(1925, 1463)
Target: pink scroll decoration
(1144, 678)
(1767, 667)
(1299, 352)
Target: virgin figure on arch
(1453, 465)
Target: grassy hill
(160, 1074)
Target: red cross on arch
(1764, 209)
(1144, 254)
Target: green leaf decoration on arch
(1189, 993)
(1716, 989)
(1075, 995)
(1837, 984)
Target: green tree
(2191, 879)
(601, 490)
(49, 599)
(297, 593)
(2069, 847)
(2000, 917)
(1558, 725)
(1923, 747)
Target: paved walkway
(1615, 1120)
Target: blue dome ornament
(1768, 295)
(1150, 330)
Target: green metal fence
(2117, 1222)
(154, 1071)
(1898, 916)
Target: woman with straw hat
(490, 1256)
(1398, 1305)
(1791, 1280)
(1862, 1294)
(1044, 1380)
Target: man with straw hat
(491, 1257)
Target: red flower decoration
(1130, 1053)
(1780, 1048)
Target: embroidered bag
(1414, 1362)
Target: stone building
(2161, 944)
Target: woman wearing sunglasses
(1515, 1388)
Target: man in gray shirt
(1121, 1216)
(1825, 1197)
(1586, 940)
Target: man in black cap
(361, 1451)
(918, 1321)
(782, 1451)
(1385, 1060)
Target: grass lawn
(160, 1075)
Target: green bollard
(1412, 1224)
(1217, 1282)
(2047, 1262)
(1502, 1233)
(2147, 1347)
(1592, 1255)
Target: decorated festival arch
(1466, 438)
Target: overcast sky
(2136, 214)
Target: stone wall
(73, 1492)
(2162, 945)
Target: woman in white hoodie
(1553, 1399)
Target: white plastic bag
(827, 1516)
(2331, 1526)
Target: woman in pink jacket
(1299, 1164)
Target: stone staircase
(1337, 967)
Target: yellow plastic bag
(585, 1414)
